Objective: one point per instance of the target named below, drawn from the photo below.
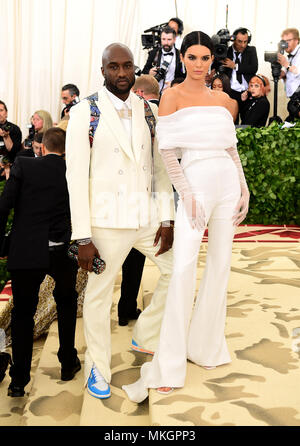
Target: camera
(294, 104)
(162, 71)
(152, 40)
(5, 127)
(28, 141)
(220, 41)
(271, 56)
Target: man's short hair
(72, 89)
(168, 30)
(148, 84)
(38, 137)
(4, 105)
(293, 31)
(54, 140)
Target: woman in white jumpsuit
(197, 122)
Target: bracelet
(84, 241)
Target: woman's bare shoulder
(168, 102)
(224, 100)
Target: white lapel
(138, 124)
(111, 117)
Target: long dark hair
(225, 81)
(196, 38)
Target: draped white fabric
(45, 44)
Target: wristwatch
(287, 68)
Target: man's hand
(3, 133)
(282, 60)
(166, 235)
(86, 255)
(153, 71)
(228, 63)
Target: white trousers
(114, 246)
(196, 333)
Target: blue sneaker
(96, 385)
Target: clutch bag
(98, 264)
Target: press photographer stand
(276, 70)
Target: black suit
(27, 152)
(248, 65)
(154, 58)
(37, 190)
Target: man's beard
(120, 90)
(167, 48)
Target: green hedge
(271, 162)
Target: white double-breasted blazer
(110, 184)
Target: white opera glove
(193, 208)
(242, 207)
(194, 211)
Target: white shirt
(235, 85)
(292, 81)
(122, 105)
(178, 42)
(171, 68)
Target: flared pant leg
(206, 341)
(168, 367)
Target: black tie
(168, 54)
(238, 76)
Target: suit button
(143, 147)
(121, 172)
(116, 150)
(144, 168)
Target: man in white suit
(120, 197)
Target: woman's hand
(242, 208)
(244, 95)
(195, 212)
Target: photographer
(164, 62)
(70, 96)
(241, 63)
(291, 70)
(10, 136)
